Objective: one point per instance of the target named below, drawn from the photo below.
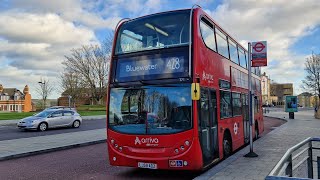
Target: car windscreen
(154, 31)
(150, 109)
(43, 113)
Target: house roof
(11, 91)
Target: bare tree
(72, 85)
(44, 89)
(311, 82)
(91, 64)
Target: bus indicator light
(185, 163)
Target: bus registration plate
(147, 165)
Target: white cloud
(45, 28)
(71, 10)
(33, 45)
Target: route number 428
(173, 63)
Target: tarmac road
(11, 131)
(90, 162)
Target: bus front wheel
(227, 145)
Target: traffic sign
(259, 54)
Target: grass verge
(20, 115)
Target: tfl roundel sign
(259, 53)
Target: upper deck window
(242, 58)
(207, 34)
(233, 51)
(153, 32)
(222, 43)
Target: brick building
(279, 91)
(13, 100)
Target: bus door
(245, 115)
(208, 125)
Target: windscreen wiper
(148, 83)
(160, 84)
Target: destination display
(171, 65)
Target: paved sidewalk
(270, 148)
(40, 144)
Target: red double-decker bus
(178, 92)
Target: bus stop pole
(251, 153)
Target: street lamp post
(42, 84)
(69, 97)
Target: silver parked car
(51, 118)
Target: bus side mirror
(195, 91)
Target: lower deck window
(225, 104)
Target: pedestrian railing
(301, 161)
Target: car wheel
(76, 124)
(227, 146)
(42, 126)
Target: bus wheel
(256, 134)
(227, 145)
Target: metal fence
(301, 161)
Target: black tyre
(76, 124)
(227, 146)
(43, 126)
(256, 134)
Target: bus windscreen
(152, 32)
(150, 109)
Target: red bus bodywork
(160, 149)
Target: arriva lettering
(206, 76)
(147, 141)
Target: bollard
(291, 115)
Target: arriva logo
(147, 141)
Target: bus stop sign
(259, 54)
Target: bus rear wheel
(256, 134)
(227, 146)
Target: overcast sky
(36, 34)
